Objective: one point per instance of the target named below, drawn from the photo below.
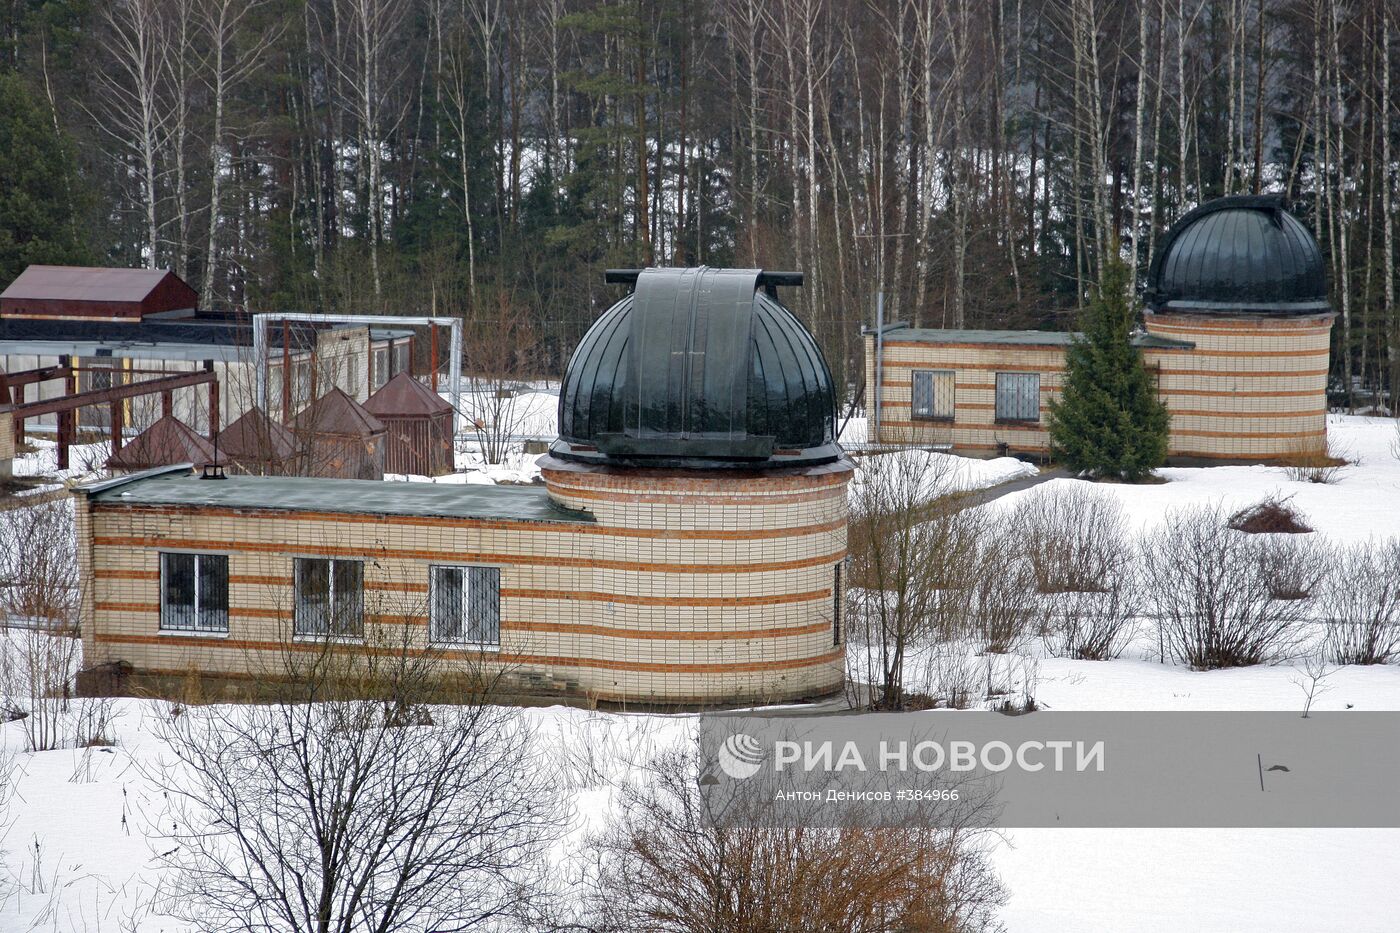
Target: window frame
(163, 623)
(933, 376)
(997, 397)
(434, 633)
(299, 629)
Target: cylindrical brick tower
(1243, 280)
(698, 417)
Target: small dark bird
(1279, 768)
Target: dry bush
(1293, 568)
(1213, 607)
(1360, 603)
(947, 676)
(1313, 464)
(668, 863)
(1004, 604)
(1270, 516)
(912, 556)
(1093, 626)
(1076, 537)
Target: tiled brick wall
(1253, 388)
(686, 590)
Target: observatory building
(685, 548)
(1237, 330)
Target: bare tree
(499, 344)
(233, 57)
(39, 617)
(912, 547)
(132, 105)
(348, 805)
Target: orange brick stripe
(1266, 393)
(778, 599)
(1308, 331)
(504, 657)
(132, 575)
(1245, 373)
(598, 495)
(676, 534)
(1263, 435)
(1231, 414)
(562, 628)
(1321, 351)
(293, 550)
(987, 386)
(609, 631)
(961, 425)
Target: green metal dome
(698, 368)
(1239, 254)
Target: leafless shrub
(665, 866)
(947, 675)
(347, 805)
(1093, 626)
(913, 548)
(1293, 568)
(1213, 607)
(1075, 535)
(1270, 516)
(1313, 464)
(1360, 603)
(1004, 603)
(41, 651)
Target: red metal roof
(255, 436)
(405, 396)
(86, 283)
(167, 441)
(337, 413)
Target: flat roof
(1018, 338)
(178, 486)
(203, 337)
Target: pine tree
(37, 176)
(1109, 420)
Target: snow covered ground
(84, 824)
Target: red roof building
(166, 442)
(258, 445)
(336, 437)
(419, 427)
(96, 294)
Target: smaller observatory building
(684, 549)
(1236, 330)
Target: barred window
(330, 597)
(379, 365)
(466, 605)
(836, 607)
(193, 592)
(400, 358)
(932, 394)
(1018, 396)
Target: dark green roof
(1019, 338)
(178, 486)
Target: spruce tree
(1108, 421)
(38, 223)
